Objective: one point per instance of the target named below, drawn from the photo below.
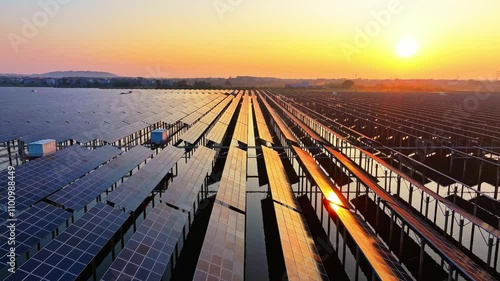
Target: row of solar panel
(262, 127)
(134, 191)
(77, 195)
(383, 263)
(37, 222)
(232, 186)
(183, 191)
(41, 177)
(218, 132)
(151, 252)
(197, 130)
(65, 257)
(73, 120)
(70, 253)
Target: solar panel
(33, 226)
(191, 118)
(112, 136)
(41, 177)
(134, 191)
(302, 260)
(380, 258)
(80, 193)
(222, 256)
(262, 127)
(232, 187)
(184, 190)
(151, 251)
(70, 253)
(241, 130)
(280, 187)
(217, 133)
(194, 133)
(171, 119)
(282, 127)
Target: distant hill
(83, 74)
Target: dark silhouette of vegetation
(180, 84)
(202, 85)
(347, 84)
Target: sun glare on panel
(335, 201)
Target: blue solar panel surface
(86, 114)
(186, 186)
(80, 193)
(41, 177)
(134, 191)
(67, 256)
(222, 256)
(148, 253)
(32, 226)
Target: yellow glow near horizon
(407, 47)
(256, 38)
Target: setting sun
(407, 47)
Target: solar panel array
(197, 130)
(262, 127)
(194, 133)
(33, 226)
(134, 191)
(232, 187)
(281, 125)
(281, 190)
(191, 118)
(78, 194)
(70, 253)
(87, 114)
(41, 177)
(219, 130)
(241, 129)
(151, 250)
(302, 260)
(195, 116)
(222, 256)
(184, 190)
(383, 262)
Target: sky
(267, 38)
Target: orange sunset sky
(282, 38)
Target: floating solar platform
(302, 260)
(232, 187)
(33, 226)
(380, 258)
(70, 253)
(134, 191)
(222, 256)
(151, 251)
(183, 191)
(281, 189)
(78, 194)
(41, 177)
(443, 247)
